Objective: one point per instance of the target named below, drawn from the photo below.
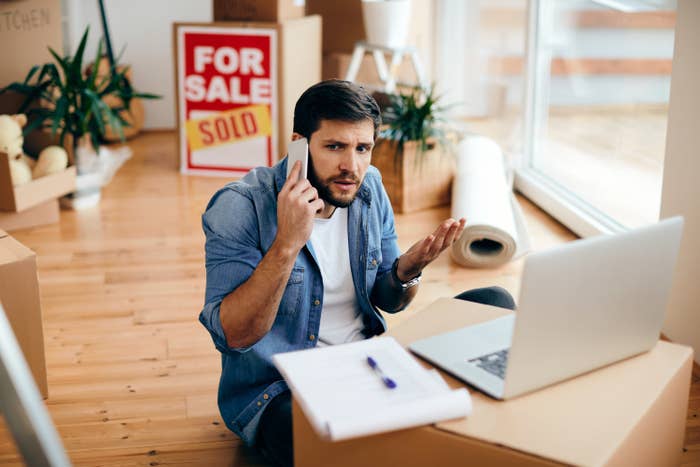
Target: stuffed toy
(11, 138)
(11, 141)
(52, 159)
(22, 167)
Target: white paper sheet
(495, 232)
(344, 398)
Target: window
(598, 84)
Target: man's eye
(362, 149)
(333, 147)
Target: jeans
(275, 430)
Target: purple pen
(388, 382)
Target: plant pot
(387, 22)
(88, 192)
(88, 182)
(414, 181)
(95, 170)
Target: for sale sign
(227, 98)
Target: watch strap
(407, 284)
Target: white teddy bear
(22, 167)
(52, 159)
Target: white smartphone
(298, 150)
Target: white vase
(95, 170)
(387, 21)
(87, 192)
(88, 182)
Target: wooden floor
(132, 374)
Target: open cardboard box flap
(11, 250)
(36, 191)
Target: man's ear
(296, 136)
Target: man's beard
(324, 186)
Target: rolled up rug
(495, 232)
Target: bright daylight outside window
(599, 90)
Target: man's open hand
(424, 251)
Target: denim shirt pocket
(374, 259)
(291, 300)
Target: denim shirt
(240, 224)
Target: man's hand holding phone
(297, 205)
(298, 150)
(248, 313)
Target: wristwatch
(404, 285)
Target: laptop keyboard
(494, 363)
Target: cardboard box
(36, 25)
(629, 413)
(289, 73)
(257, 10)
(300, 68)
(41, 214)
(37, 191)
(19, 293)
(414, 181)
(343, 25)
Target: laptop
(582, 306)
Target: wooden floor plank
(121, 410)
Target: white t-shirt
(341, 321)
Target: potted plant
(72, 104)
(414, 151)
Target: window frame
(568, 208)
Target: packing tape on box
(495, 231)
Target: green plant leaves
(76, 67)
(415, 116)
(61, 97)
(93, 73)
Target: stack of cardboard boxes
(299, 48)
(312, 42)
(27, 29)
(343, 26)
(36, 25)
(254, 60)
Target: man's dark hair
(334, 100)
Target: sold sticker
(229, 127)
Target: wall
(145, 28)
(681, 190)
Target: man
(295, 264)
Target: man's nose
(348, 163)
